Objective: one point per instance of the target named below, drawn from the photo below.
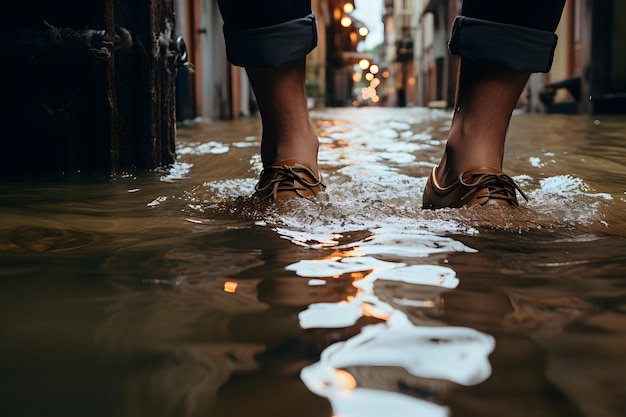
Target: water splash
(369, 226)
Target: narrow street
(168, 293)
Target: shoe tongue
(294, 163)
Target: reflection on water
(426, 352)
(169, 294)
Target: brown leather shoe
(288, 178)
(478, 186)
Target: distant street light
(363, 31)
(364, 64)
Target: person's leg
(500, 45)
(287, 130)
(271, 39)
(486, 98)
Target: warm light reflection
(364, 64)
(348, 7)
(375, 83)
(344, 379)
(346, 21)
(386, 74)
(374, 69)
(368, 92)
(369, 76)
(375, 99)
(415, 303)
(369, 311)
(334, 256)
(230, 286)
(353, 37)
(411, 80)
(356, 77)
(363, 31)
(340, 143)
(357, 275)
(344, 253)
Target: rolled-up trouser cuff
(272, 46)
(513, 47)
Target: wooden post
(89, 86)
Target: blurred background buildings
(100, 86)
(411, 66)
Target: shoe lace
(500, 186)
(285, 178)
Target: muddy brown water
(168, 294)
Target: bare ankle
(294, 144)
(465, 152)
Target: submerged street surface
(170, 294)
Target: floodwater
(168, 294)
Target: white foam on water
(569, 186)
(177, 171)
(367, 159)
(246, 144)
(224, 190)
(203, 148)
(567, 200)
(382, 199)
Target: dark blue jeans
(514, 34)
(267, 33)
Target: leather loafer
(477, 186)
(289, 178)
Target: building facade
(217, 90)
(414, 58)
(588, 73)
